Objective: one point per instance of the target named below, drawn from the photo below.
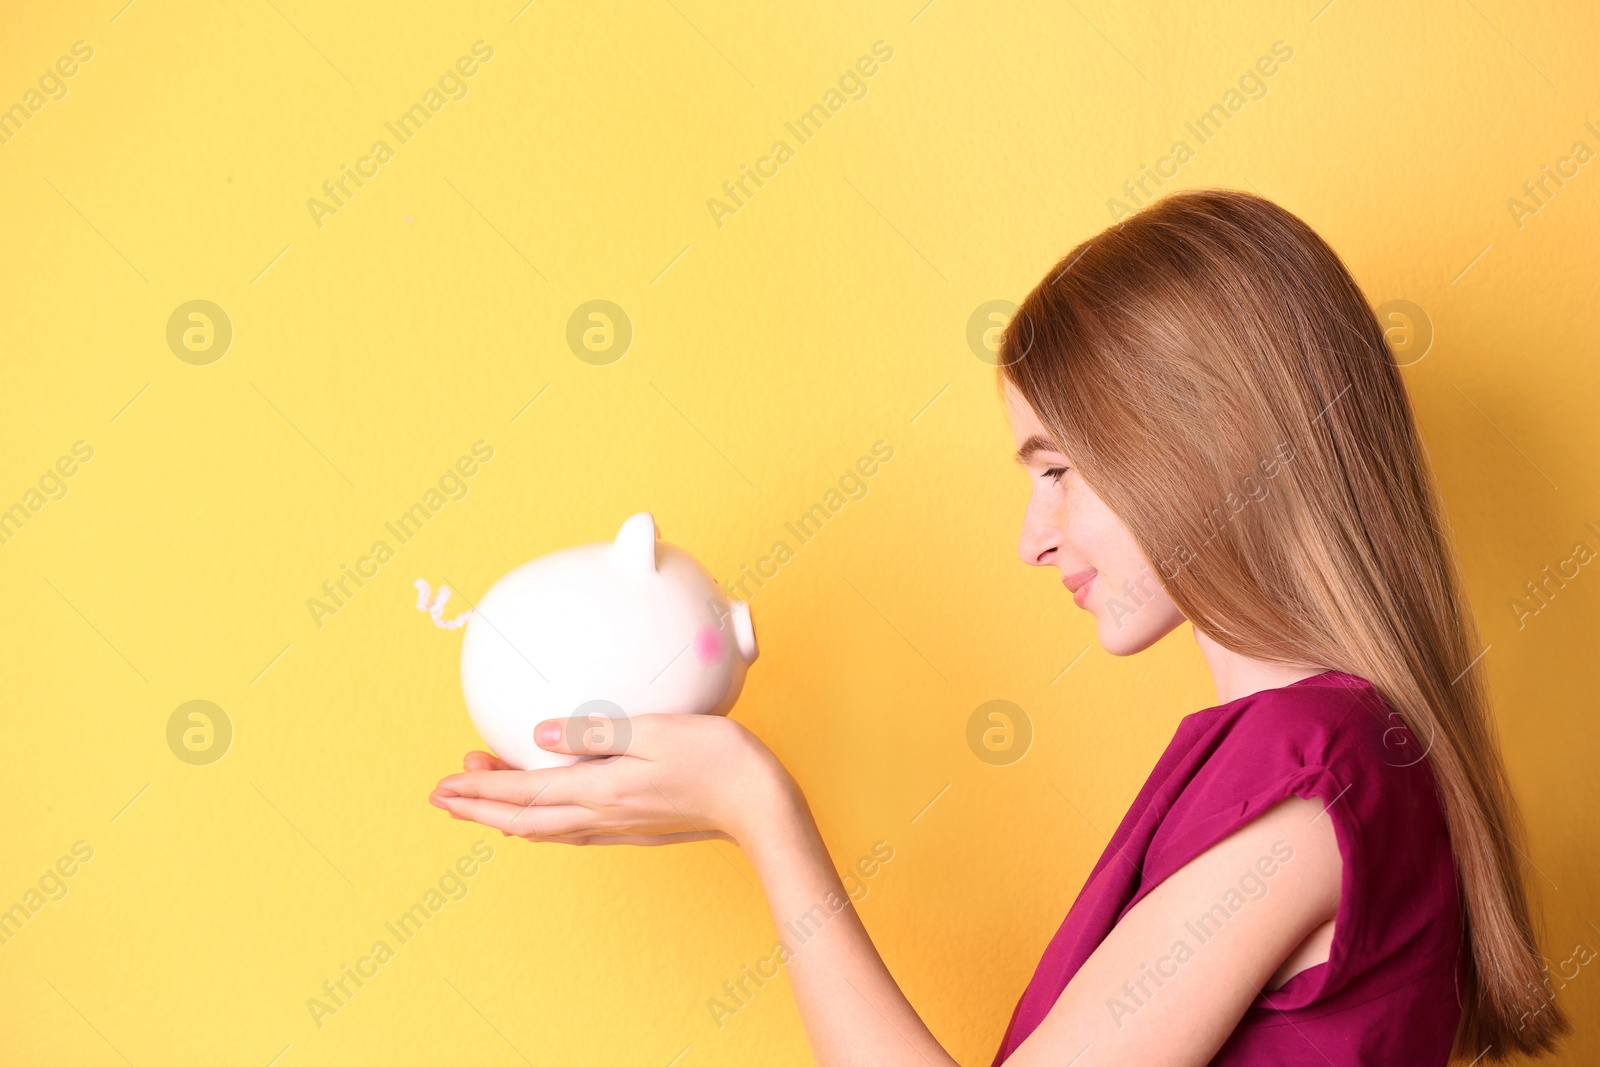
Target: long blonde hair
(1177, 355)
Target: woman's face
(1067, 527)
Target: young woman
(1322, 868)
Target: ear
(634, 550)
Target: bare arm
(1172, 979)
(854, 1012)
(1137, 999)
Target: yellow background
(768, 355)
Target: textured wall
(778, 332)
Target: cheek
(1105, 543)
(1097, 536)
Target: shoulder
(1335, 721)
(1331, 739)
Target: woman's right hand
(670, 778)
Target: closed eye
(1055, 474)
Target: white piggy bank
(619, 628)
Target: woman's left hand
(668, 778)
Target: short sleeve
(1327, 745)
(1397, 932)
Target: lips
(1079, 584)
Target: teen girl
(1324, 867)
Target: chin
(1134, 635)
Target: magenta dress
(1387, 994)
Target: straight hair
(1176, 358)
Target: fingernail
(437, 801)
(547, 733)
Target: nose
(1041, 535)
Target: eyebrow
(1036, 443)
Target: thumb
(599, 733)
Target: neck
(1236, 675)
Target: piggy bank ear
(634, 550)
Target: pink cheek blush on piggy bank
(632, 626)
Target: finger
(485, 761)
(593, 735)
(511, 786)
(522, 819)
(580, 784)
(627, 839)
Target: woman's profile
(1324, 866)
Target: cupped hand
(665, 779)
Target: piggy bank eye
(708, 644)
